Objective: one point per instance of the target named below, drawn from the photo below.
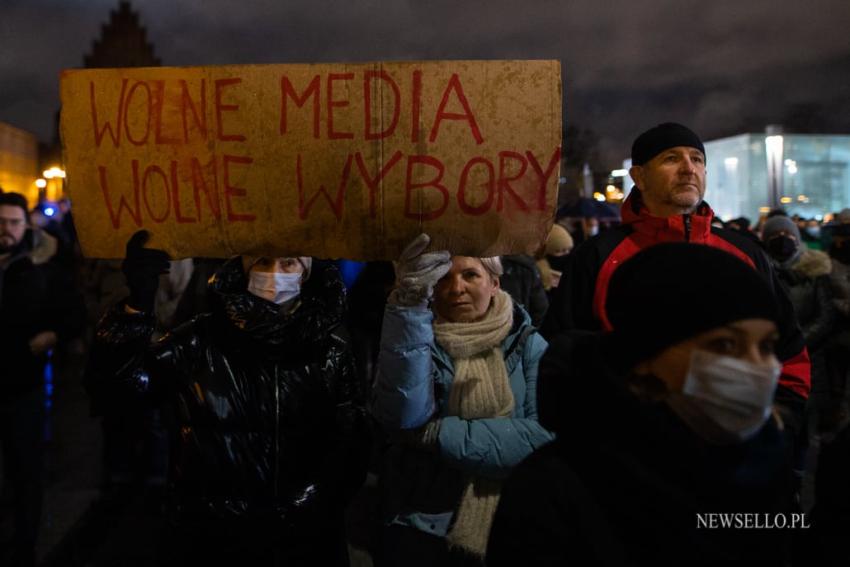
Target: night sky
(721, 66)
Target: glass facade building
(811, 176)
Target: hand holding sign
(418, 272)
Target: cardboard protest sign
(329, 160)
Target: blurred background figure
(39, 311)
(522, 280)
(552, 265)
(811, 234)
(742, 226)
(838, 355)
(805, 273)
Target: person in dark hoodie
(271, 438)
(676, 424)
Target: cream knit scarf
(480, 389)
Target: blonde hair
(493, 265)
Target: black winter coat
(36, 294)
(271, 435)
(810, 292)
(624, 482)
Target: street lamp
(58, 189)
(41, 183)
(54, 172)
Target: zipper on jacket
(276, 456)
(686, 219)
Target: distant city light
(764, 209)
(54, 172)
(791, 165)
(802, 198)
(785, 200)
(41, 183)
(49, 211)
(619, 172)
(610, 189)
(599, 196)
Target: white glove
(418, 273)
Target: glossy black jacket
(270, 431)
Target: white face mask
(275, 287)
(735, 395)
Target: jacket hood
(317, 311)
(636, 215)
(44, 247)
(813, 263)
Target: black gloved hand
(142, 268)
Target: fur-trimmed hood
(37, 245)
(318, 311)
(813, 263)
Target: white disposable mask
(276, 287)
(735, 395)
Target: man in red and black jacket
(666, 205)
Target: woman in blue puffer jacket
(455, 392)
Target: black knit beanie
(674, 291)
(663, 137)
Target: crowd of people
(601, 404)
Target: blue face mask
(276, 287)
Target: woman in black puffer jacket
(271, 439)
